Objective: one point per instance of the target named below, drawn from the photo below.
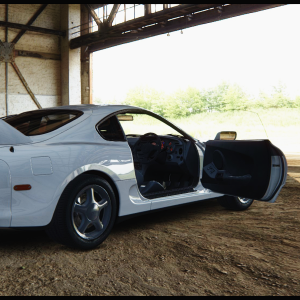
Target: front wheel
(85, 214)
(235, 203)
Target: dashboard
(174, 148)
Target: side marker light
(22, 187)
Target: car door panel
(250, 169)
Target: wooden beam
(113, 14)
(163, 15)
(34, 17)
(32, 28)
(203, 13)
(40, 55)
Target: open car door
(253, 169)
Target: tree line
(223, 97)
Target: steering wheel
(147, 147)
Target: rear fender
(11, 136)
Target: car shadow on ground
(178, 213)
(28, 239)
(24, 241)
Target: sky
(256, 51)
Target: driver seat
(147, 187)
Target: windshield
(139, 124)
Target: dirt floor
(200, 249)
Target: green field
(280, 126)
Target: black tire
(235, 203)
(64, 228)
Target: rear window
(42, 121)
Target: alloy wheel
(91, 212)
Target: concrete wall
(53, 81)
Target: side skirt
(132, 216)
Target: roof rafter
(164, 21)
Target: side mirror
(226, 135)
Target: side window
(111, 130)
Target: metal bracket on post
(7, 52)
(7, 56)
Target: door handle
(225, 177)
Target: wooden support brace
(26, 85)
(34, 17)
(94, 15)
(113, 14)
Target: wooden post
(70, 59)
(147, 9)
(86, 72)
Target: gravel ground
(200, 249)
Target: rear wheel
(235, 203)
(85, 214)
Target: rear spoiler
(11, 136)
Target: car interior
(165, 164)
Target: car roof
(10, 135)
(99, 111)
(94, 108)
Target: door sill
(167, 193)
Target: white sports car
(76, 170)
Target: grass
(280, 126)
